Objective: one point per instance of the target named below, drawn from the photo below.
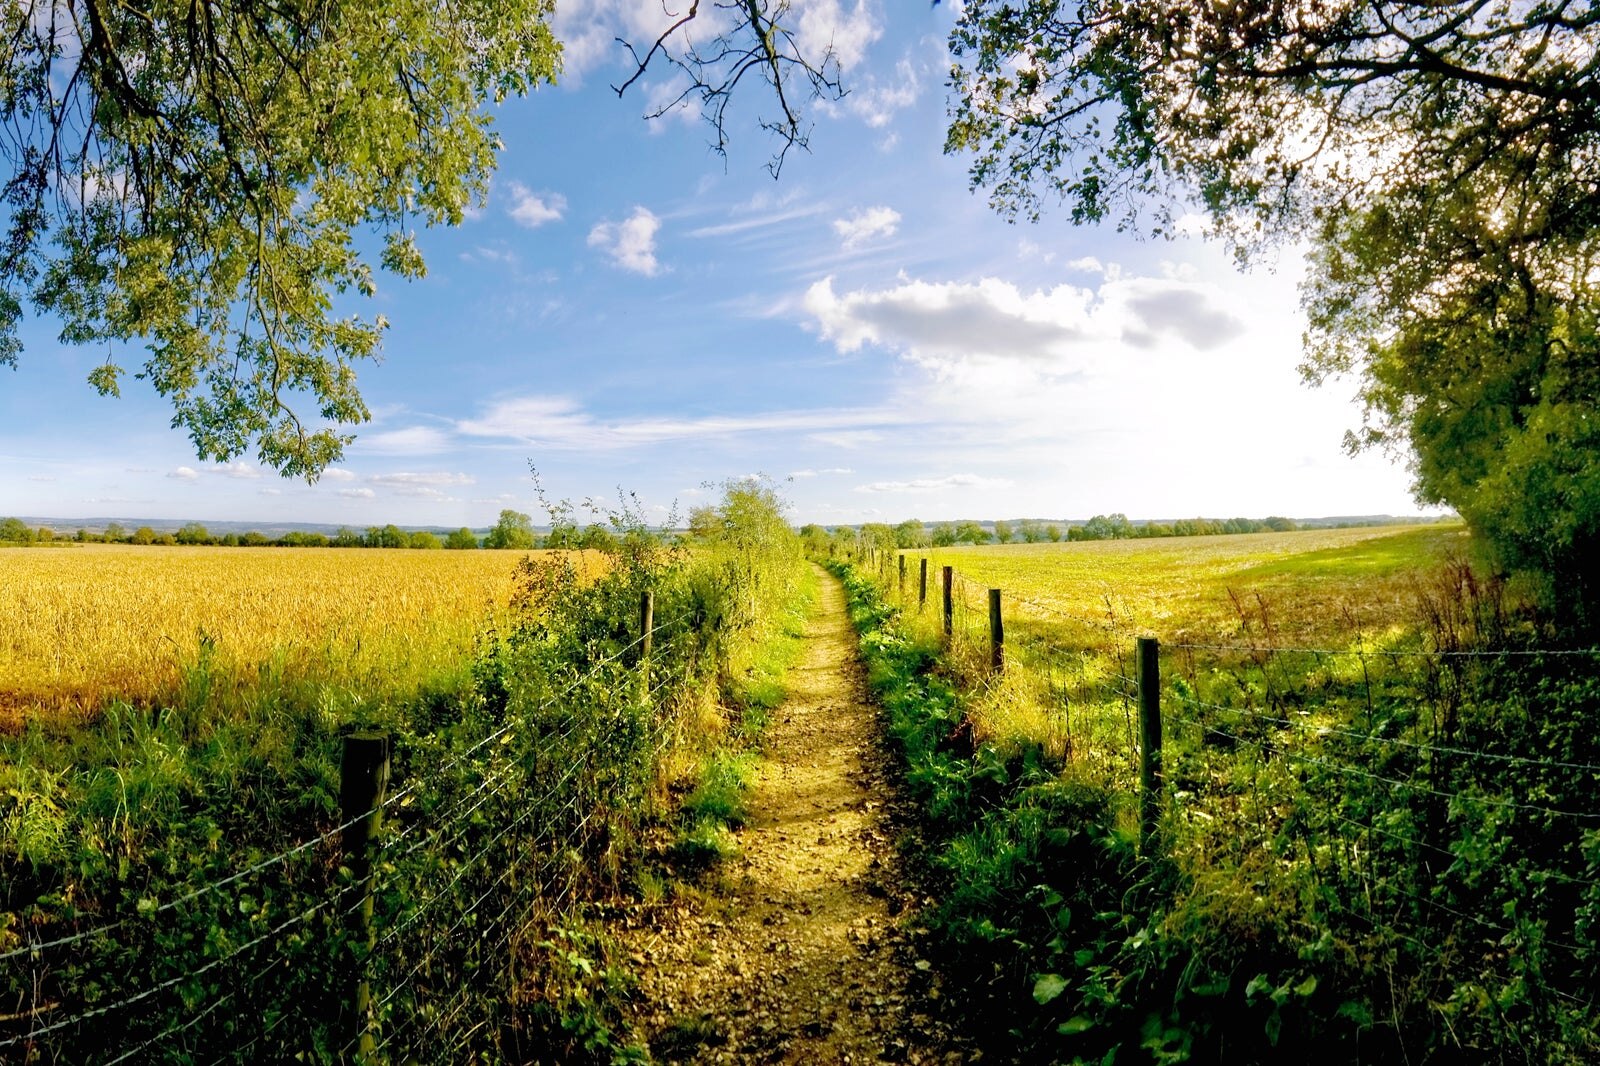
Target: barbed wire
(1416, 745)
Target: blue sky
(628, 310)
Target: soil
(806, 949)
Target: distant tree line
(914, 533)
(513, 530)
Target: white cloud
(239, 469)
(821, 473)
(532, 209)
(558, 422)
(185, 473)
(357, 494)
(631, 244)
(862, 226)
(876, 101)
(829, 24)
(991, 327)
(269, 492)
(42, 477)
(934, 484)
(427, 479)
(415, 440)
(338, 473)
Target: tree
(910, 534)
(143, 535)
(461, 539)
(114, 533)
(971, 533)
(597, 537)
(513, 530)
(1441, 159)
(15, 530)
(423, 539)
(194, 533)
(1002, 531)
(190, 177)
(704, 521)
(943, 536)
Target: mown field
(94, 622)
(1373, 832)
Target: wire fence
(499, 824)
(1430, 804)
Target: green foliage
(1451, 272)
(197, 184)
(166, 838)
(15, 531)
(515, 530)
(461, 539)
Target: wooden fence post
(363, 779)
(647, 623)
(1148, 675)
(997, 633)
(949, 602)
(922, 584)
(902, 577)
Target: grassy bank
(1380, 850)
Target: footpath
(805, 952)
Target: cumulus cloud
(239, 469)
(934, 484)
(1054, 332)
(185, 473)
(631, 244)
(357, 494)
(531, 209)
(848, 30)
(952, 320)
(338, 473)
(862, 226)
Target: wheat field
(94, 622)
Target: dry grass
(96, 622)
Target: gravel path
(804, 952)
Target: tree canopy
(192, 178)
(1440, 157)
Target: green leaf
(1048, 988)
(1306, 987)
(1075, 1024)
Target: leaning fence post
(922, 584)
(949, 602)
(1148, 675)
(363, 778)
(647, 631)
(997, 633)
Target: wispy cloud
(357, 494)
(934, 484)
(631, 244)
(338, 473)
(432, 478)
(414, 440)
(558, 422)
(863, 226)
(821, 473)
(184, 473)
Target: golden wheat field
(94, 622)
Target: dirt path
(803, 954)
